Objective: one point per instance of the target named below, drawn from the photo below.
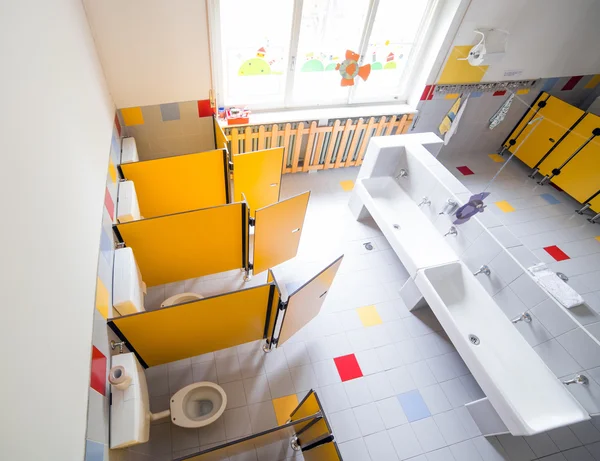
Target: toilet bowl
(181, 298)
(198, 405)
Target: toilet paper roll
(119, 378)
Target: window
(273, 54)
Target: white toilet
(181, 298)
(196, 405)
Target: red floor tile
(98, 379)
(556, 253)
(465, 170)
(347, 367)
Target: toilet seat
(198, 404)
(181, 298)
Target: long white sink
(415, 240)
(522, 389)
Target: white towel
(562, 292)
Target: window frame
(399, 96)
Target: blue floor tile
(414, 406)
(551, 199)
(94, 451)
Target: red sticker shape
(204, 109)
(426, 92)
(573, 81)
(500, 93)
(109, 204)
(347, 367)
(465, 170)
(118, 125)
(556, 253)
(98, 379)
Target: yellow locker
(181, 183)
(257, 177)
(187, 245)
(540, 136)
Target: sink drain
(474, 340)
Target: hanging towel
(449, 117)
(562, 292)
(498, 117)
(452, 119)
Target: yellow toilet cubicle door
(595, 204)
(181, 183)
(540, 136)
(309, 406)
(327, 452)
(580, 178)
(187, 245)
(220, 138)
(277, 231)
(190, 329)
(257, 177)
(305, 303)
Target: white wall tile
(391, 412)
(528, 291)
(429, 436)
(368, 419)
(581, 347)
(553, 317)
(557, 358)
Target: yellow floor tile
(284, 407)
(452, 96)
(132, 116)
(505, 206)
(347, 185)
(496, 158)
(369, 316)
(523, 91)
(598, 238)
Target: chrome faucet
(114, 345)
(402, 174)
(449, 207)
(452, 231)
(524, 317)
(578, 379)
(483, 270)
(425, 201)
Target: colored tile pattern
(500, 93)
(348, 367)
(597, 238)
(427, 93)
(572, 83)
(347, 185)
(414, 406)
(132, 116)
(549, 84)
(551, 199)
(284, 406)
(94, 451)
(523, 91)
(496, 158)
(109, 204)
(556, 253)
(476, 94)
(118, 125)
(465, 170)
(169, 112)
(369, 316)
(204, 109)
(452, 96)
(505, 206)
(593, 83)
(112, 171)
(98, 378)
(102, 298)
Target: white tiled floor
(405, 353)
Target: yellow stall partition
(277, 231)
(305, 303)
(319, 428)
(188, 245)
(220, 137)
(548, 123)
(257, 177)
(327, 452)
(181, 183)
(189, 329)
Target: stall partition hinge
(252, 221)
(282, 305)
(230, 166)
(250, 266)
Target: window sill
(299, 115)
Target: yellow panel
(348, 185)
(102, 296)
(496, 158)
(182, 183)
(529, 115)
(186, 245)
(277, 231)
(257, 177)
(456, 71)
(305, 303)
(190, 329)
(132, 116)
(505, 206)
(309, 406)
(558, 118)
(284, 406)
(220, 138)
(452, 96)
(327, 452)
(369, 316)
(523, 91)
(593, 83)
(112, 171)
(595, 204)
(580, 178)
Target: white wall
(548, 38)
(152, 51)
(55, 138)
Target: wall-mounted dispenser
(128, 208)
(490, 49)
(129, 289)
(129, 151)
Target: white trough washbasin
(525, 393)
(415, 240)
